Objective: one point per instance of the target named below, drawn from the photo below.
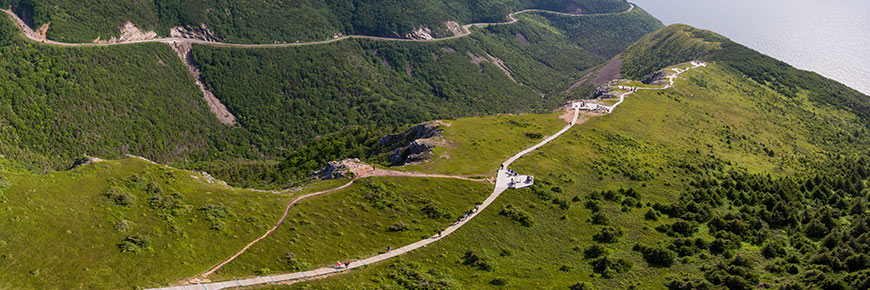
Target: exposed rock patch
(202, 32)
(183, 50)
(453, 27)
(341, 169)
(79, 162)
(657, 78)
(493, 60)
(421, 33)
(129, 32)
(414, 145)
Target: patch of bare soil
(521, 38)
(129, 32)
(43, 30)
(493, 60)
(215, 105)
(609, 71)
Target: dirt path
(466, 30)
(501, 185)
(364, 174)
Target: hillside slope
(279, 21)
(290, 95)
(107, 110)
(722, 182)
(60, 103)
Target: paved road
(501, 185)
(28, 31)
(368, 173)
(677, 72)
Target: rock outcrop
(202, 32)
(657, 76)
(422, 33)
(341, 169)
(414, 145)
(129, 32)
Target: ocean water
(830, 37)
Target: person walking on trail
(346, 265)
(338, 263)
(389, 249)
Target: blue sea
(830, 37)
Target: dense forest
(61, 103)
(281, 21)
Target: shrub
(563, 203)
(657, 256)
(433, 210)
(534, 135)
(773, 250)
(295, 263)
(580, 286)
(134, 244)
(398, 227)
(263, 271)
(608, 235)
(608, 267)
(593, 205)
(599, 218)
(498, 281)
(595, 251)
(517, 215)
(476, 260)
(119, 196)
(651, 215)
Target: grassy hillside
(722, 182)
(79, 229)
(118, 224)
(358, 222)
(680, 43)
(284, 20)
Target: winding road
(670, 78)
(501, 185)
(466, 30)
